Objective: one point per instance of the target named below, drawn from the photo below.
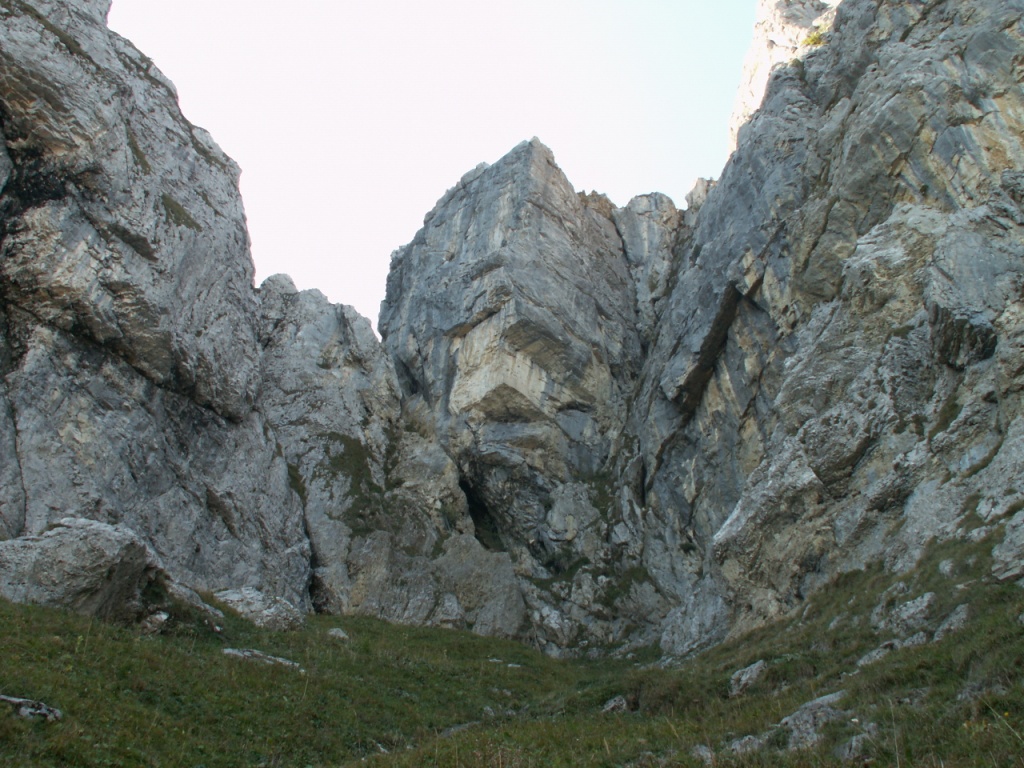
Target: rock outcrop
(129, 346)
(83, 566)
(588, 427)
(784, 30)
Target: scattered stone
(920, 638)
(804, 724)
(703, 753)
(458, 728)
(979, 691)
(32, 710)
(947, 568)
(249, 654)
(274, 613)
(954, 622)
(800, 729)
(905, 618)
(746, 677)
(339, 634)
(747, 744)
(876, 655)
(858, 747)
(615, 705)
(154, 623)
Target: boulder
(88, 567)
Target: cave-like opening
(484, 522)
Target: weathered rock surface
(783, 31)
(81, 565)
(590, 427)
(268, 612)
(129, 351)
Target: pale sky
(350, 119)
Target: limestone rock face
(818, 352)
(784, 30)
(123, 221)
(386, 519)
(589, 427)
(512, 319)
(88, 567)
(836, 359)
(129, 354)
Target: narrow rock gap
(484, 523)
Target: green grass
(815, 38)
(392, 695)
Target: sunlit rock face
(836, 376)
(512, 317)
(587, 427)
(828, 338)
(784, 30)
(129, 354)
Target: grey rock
(587, 426)
(1008, 555)
(956, 621)
(703, 753)
(336, 633)
(32, 710)
(858, 748)
(129, 350)
(264, 611)
(485, 585)
(154, 623)
(747, 744)
(804, 725)
(615, 705)
(782, 32)
(910, 616)
(249, 654)
(877, 655)
(742, 679)
(801, 729)
(129, 228)
(524, 362)
(85, 566)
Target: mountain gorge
(586, 427)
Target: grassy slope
(175, 700)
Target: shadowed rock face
(586, 426)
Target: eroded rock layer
(588, 427)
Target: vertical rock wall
(129, 349)
(588, 427)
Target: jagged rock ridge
(590, 427)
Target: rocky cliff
(586, 426)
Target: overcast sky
(350, 119)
